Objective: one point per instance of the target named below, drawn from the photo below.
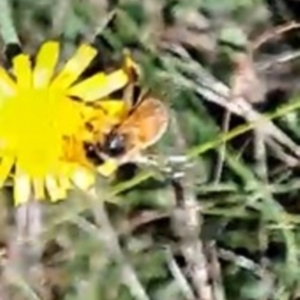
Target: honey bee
(142, 126)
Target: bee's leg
(133, 155)
(128, 94)
(146, 160)
(102, 155)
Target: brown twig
(213, 90)
(101, 25)
(186, 225)
(247, 83)
(25, 247)
(241, 261)
(187, 221)
(113, 247)
(59, 16)
(260, 154)
(179, 277)
(216, 272)
(270, 34)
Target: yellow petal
(22, 71)
(99, 86)
(108, 167)
(75, 66)
(5, 167)
(62, 186)
(22, 188)
(53, 189)
(114, 108)
(39, 188)
(62, 193)
(8, 87)
(83, 179)
(64, 182)
(45, 64)
(130, 65)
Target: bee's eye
(114, 144)
(91, 154)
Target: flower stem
(7, 28)
(129, 277)
(25, 248)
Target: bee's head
(114, 144)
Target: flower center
(33, 125)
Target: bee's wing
(147, 123)
(143, 128)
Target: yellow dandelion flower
(38, 118)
